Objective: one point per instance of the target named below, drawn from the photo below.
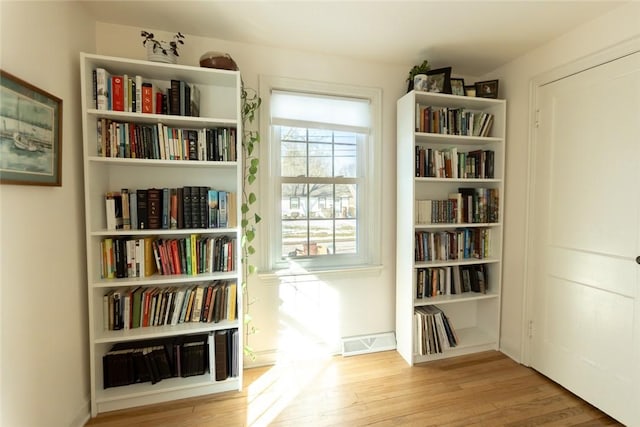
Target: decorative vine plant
(250, 141)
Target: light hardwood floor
(485, 389)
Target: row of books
(129, 257)
(184, 356)
(140, 307)
(135, 94)
(195, 255)
(467, 206)
(158, 141)
(434, 331)
(451, 280)
(449, 163)
(446, 245)
(452, 121)
(170, 208)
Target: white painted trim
(83, 415)
(373, 172)
(611, 53)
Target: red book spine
(176, 257)
(158, 102)
(147, 98)
(117, 88)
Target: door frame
(603, 56)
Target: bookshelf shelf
(451, 158)
(145, 394)
(217, 116)
(149, 163)
(168, 279)
(151, 332)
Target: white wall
(44, 352)
(328, 308)
(606, 31)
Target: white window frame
(369, 206)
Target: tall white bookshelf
(219, 107)
(475, 316)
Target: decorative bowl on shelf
(222, 61)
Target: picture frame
(30, 134)
(457, 87)
(470, 90)
(487, 89)
(439, 80)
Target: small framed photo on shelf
(457, 87)
(487, 89)
(470, 90)
(31, 134)
(439, 80)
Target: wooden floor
(486, 389)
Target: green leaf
(251, 250)
(254, 162)
(252, 269)
(252, 198)
(253, 170)
(257, 218)
(250, 235)
(244, 223)
(245, 208)
(251, 179)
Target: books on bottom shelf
(225, 355)
(143, 307)
(434, 331)
(184, 356)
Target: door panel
(585, 235)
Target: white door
(585, 231)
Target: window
(323, 142)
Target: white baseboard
(82, 415)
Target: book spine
(147, 98)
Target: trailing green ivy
(250, 141)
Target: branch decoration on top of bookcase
(161, 50)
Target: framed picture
(439, 80)
(487, 89)
(457, 87)
(30, 134)
(470, 90)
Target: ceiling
(475, 36)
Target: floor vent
(368, 344)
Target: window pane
(294, 159)
(346, 236)
(320, 237)
(345, 200)
(320, 160)
(321, 135)
(345, 154)
(293, 134)
(321, 201)
(294, 237)
(294, 201)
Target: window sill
(301, 275)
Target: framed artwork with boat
(30, 134)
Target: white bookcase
(475, 316)
(219, 107)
